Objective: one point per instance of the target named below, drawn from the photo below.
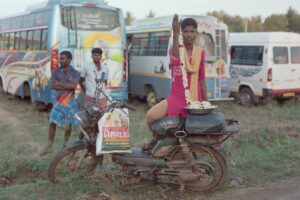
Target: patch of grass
(266, 160)
(8, 163)
(266, 148)
(36, 166)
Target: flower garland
(191, 104)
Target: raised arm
(176, 32)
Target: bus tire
(27, 90)
(245, 97)
(151, 98)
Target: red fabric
(176, 99)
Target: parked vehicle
(149, 41)
(189, 153)
(30, 44)
(264, 65)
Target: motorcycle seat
(213, 123)
(167, 125)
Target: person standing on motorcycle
(89, 74)
(64, 81)
(194, 59)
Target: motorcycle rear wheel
(211, 165)
(63, 165)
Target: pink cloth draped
(176, 99)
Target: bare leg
(52, 130)
(156, 112)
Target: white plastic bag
(113, 134)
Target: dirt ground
(280, 190)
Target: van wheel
(246, 97)
(151, 98)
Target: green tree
(129, 18)
(254, 24)
(276, 23)
(234, 23)
(151, 14)
(293, 20)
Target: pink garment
(176, 99)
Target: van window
(247, 55)
(295, 55)
(280, 55)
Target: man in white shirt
(89, 74)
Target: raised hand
(176, 25)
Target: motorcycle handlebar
(130, 107)
(120, 104)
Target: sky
(140, 8)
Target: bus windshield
(90, 18)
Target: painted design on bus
(19, 67)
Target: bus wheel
(245, 97)
(151, 98)
(26, 90)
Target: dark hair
(188, 22)
(67, 53)
(96, 50)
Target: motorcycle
(189, 154)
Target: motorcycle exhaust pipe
(138, 161)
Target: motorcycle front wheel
(73, 161)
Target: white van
(149, 42)
(264, 65)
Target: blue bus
(30, 44)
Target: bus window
(158, 43)
(2, 41)
(223, 46)
(15, 23)
(295, 55)
(22, 40)
(17, 41)
(28, 21)
(29, 40)
(139, 44)
(163, 45)
(11, 40)
(44, 39)
(41, 18)
(280, 55)
(36, 41)
(150, 44)
(153, 47)
(90, 18)
(205, 40)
